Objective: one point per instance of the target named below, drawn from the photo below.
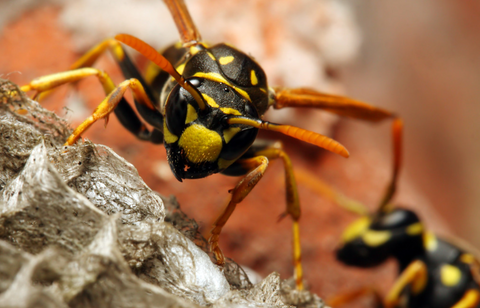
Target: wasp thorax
(369, 241)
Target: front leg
(254, 168)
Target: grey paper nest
(79, 228)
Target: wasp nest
(79, 228)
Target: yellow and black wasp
(205, 105)
(433, 272)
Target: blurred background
(419, 59)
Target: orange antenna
(151, 54)
(295, 132)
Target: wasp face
(369, 241)
(201, 142)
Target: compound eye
(239, 144)
(250, 111)
(176, 111)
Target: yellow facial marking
(191, 114)
(210, 101)
(356, 229)
(179, 69)
(430, 241)
(225, 60)
(229, 133)
(224, 164)
(219, 78)
(211, 55)
(200, 144)
(467, 258)
(167, 135)
(178, 45)
(415, 229)
(253, 78)
(376, 238)
(227, 110)
(450, 275)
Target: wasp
(206, 105)
(433, 271)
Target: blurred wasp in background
(433, 272)
(205, 104)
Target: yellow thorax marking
(253, 78)
(167, 135)
(211, 55)
(219, 78)
(210, 101)
(225, 60)
(194, 50)
(415, 229)
(356, 229)
(228, 110)
(430, 241)
(200, 144)
(229, 133)
(375, 238)
(450, 275)
(178, 45)
(191, 114)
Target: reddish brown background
(419, 59)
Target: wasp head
(200, 142)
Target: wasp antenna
(295, 132)
(151, 54)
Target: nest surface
(80, 228)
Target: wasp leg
(471, 298)
(337, 104)
(124, 112)
(308, 179)
(293, 207)
(397, 131)
(415, 276)
(317, 185)
(347, 107)
(345, 298)
(256, 167)
(49, 82)
(189, 34)
(104, 109)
